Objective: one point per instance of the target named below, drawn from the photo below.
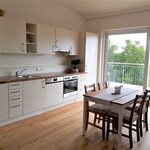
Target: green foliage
(131, 53)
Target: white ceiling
(101, 8)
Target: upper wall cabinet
(12, 36)
(62, 39)
(31, 38)
(74, 50)
(45, 39)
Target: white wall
(119, 21)
(50, 13)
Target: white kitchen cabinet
(33, 95)
(3, 102)
(15, 99)
(13, 36)
(54, 94)
(31, 38)
(74, 43)
(63, 38)
(45, 39)
(82, 79)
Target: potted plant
(75, 62)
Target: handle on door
(43, 84)
(85, 68)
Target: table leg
(85, 105)
(120, 128)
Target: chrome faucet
(19, 72)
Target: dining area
(119, 110)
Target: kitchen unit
(3, 102)
(54, 91)
(25, 97)
(20, 37)
(12, 36)
(45, 39)
(15, 99)
(36, 99)
(63, 40)
(74, 47)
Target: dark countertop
(8, 79)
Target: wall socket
(39, 69)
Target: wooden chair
(129, 118)
(104, 85)
(97, 109)
(144, 114)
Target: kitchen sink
(24, 77)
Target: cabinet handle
(15, 106)
(15, 92)
(53, 49)
(14, 84)
(43, 84)
(14, 99)
(23, 47)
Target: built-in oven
(70, 85)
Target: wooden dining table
(115, 101)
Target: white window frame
(103, 50)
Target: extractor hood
(62, 50)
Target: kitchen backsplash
(9, 71)
(33, 64)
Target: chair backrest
(147, 99)
(89, 88)
(105, 85)
(138, 104)
(99, 86)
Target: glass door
(125, 59)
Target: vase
(74, 70)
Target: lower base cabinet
(54, 94)
(4, 102)
(33, 95)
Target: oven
(70, 87)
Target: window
(126, 59)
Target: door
(91, 57)
(54, 94)
(74, 43)
(3, 102)
(45, 39)
(33, 95)
(125, 59)
(13, 36)
(63, 39)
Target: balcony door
(125, 59)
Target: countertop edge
(9, 79)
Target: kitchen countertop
(8, 79)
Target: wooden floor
(61, 129)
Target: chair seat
(130, 107)
(126, 115)
(98, 108)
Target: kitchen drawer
(15, 85)
(15, 110)
(15, 99)
(15, 92)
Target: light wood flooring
(61, 129)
